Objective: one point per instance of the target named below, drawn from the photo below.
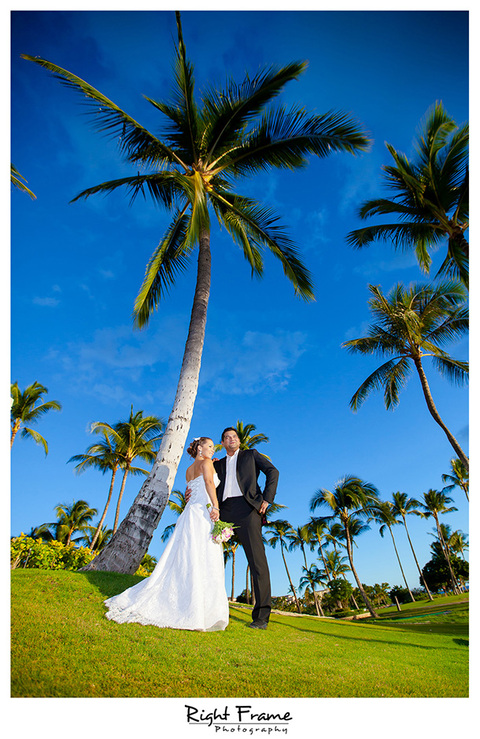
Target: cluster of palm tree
(71, 519)
(354, 503)
(117, 449)
(430, 199)
(119, 446)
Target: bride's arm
(208, 472)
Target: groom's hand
(263, 508)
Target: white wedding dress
(186, 590)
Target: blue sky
(269, 359)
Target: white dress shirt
(232, 488)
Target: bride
(187, 588)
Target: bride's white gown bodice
(187, 588)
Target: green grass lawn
(63, 646)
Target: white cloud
(257, 362)
(46, 302)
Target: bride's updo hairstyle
(193, 448)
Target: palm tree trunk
(318, 605)
(430, 596)
(120, 496)
(359, 584)
(104, 514)
(435, 414)
(125, 550)
(400, 565)
(323, 560)
(290, 579)
(232, 598)
(247, 586)
(15, 428)
(455, 587)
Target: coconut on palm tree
(457, 478)
(27, 408)
(403, 506)
(351, 500)
(193, 165)
(384, 515)
(412, 324)
(429, 197)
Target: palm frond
(162, 187)
(379, 378)
(108, 117)
(38, 438)
(171, 256)
(284, 138)
(454, 369)
(226, 113)
(261, 227)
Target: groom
(242, 503)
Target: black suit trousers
(249, 530)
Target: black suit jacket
(249, 465)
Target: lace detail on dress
(187, 588)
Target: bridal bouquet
(222, 531)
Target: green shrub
(47, 555)
(53, 555)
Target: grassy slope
(63, 646)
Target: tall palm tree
(279, 530)
(429, 197)
(105, 457)
(455, 541)
(72, 518)
(311, 577)
(299, 537)
(411, 324)
(403, 506)
(458, 477)
(24, 409)
(137, 437)
(458, 542)
(334, 536)
(350, 500)
(384, 515)
(435, 502)
(230, 551)
(204, 150)
(316, 527)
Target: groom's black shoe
(258, 625)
